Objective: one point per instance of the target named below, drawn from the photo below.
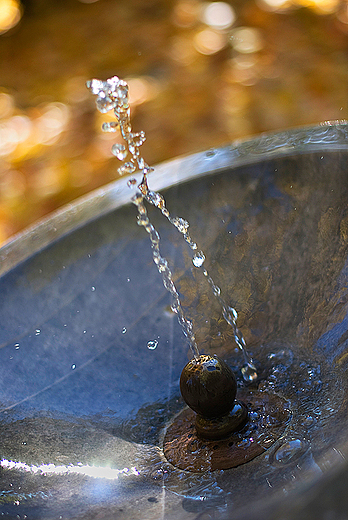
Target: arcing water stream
(112, 94)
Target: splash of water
(112, 94)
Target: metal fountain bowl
(85, 401)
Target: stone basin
(85, 398)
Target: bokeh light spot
(51, 123)
(219, 15)
(186, 13)
(246, 40)
(140, 90)
(6, 105)
(182, 50)
(208, 41)
(10, 14)
(320, 6)
(12, 185)
(274, 5)
(20, 126)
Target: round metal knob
(209, 387)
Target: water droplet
(284, 356)
(245, 443)
(198, 259)
(105, 103)
(181, 224)
(119, 150)
(93, 288)
(37, 332)
(249, 372)
(308, 421)
(110, 126)
(126, 169)
(230, 315)
(113, 82)
(147, 169)
(73, 367)
(138, 138)
(161, 473)
(95, 86)
(131, 183)
(137, 199)
(152, 345)
(290, 451)
(216, 290)
(124, 330)
(141, 163)
(122, 90)
(155, 198)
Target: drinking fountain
(91, 352)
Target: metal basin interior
(84, 400)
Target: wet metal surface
(268, 418)
(84, 400)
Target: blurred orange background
(201, 74)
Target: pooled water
(289, 462)
(289, 451)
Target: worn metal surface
(187, 451)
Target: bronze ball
(208, 386)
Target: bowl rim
(330, 135)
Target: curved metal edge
(328, 135)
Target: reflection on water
(79, 469)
